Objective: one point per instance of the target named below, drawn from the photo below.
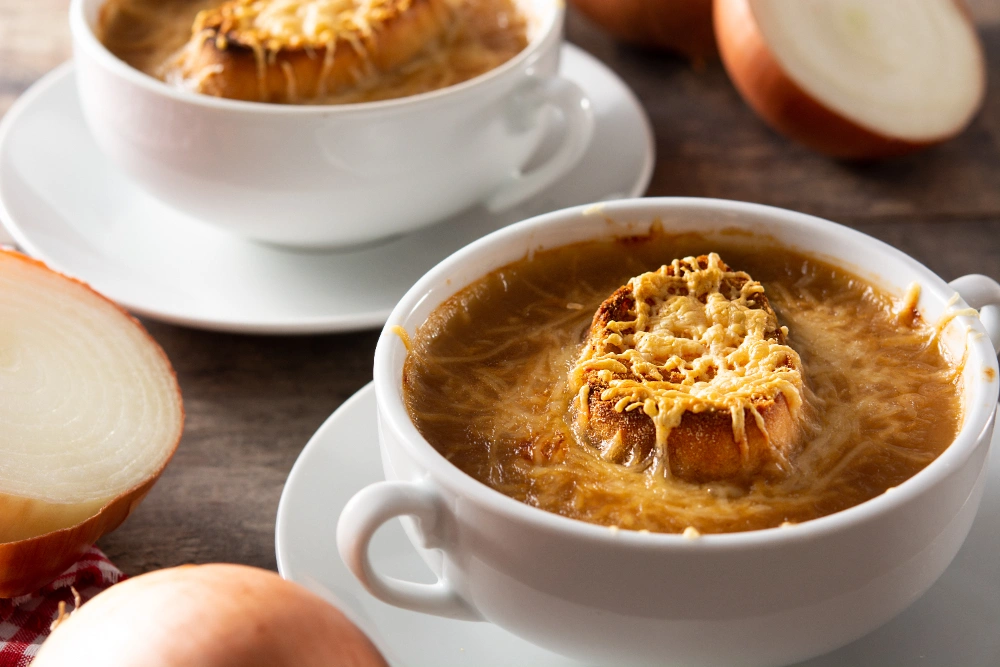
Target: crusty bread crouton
(289, 51)
(687, 368)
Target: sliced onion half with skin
(855, 79)
(90, 413)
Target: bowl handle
(983, 294)
(570, 98)
(362, 516)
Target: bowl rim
(979, 413)
(85, 39)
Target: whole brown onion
(208, 616)
(682, 26)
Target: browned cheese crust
(703, 446)
(226, 60)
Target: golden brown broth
(147, 34)
(486, 385)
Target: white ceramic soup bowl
(766, 597)
(336, 175)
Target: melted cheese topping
(486, 384)
(276, 24)
(686, 347)
(314, 51)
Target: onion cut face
(854, 78)
(90, 413)
(208, 616)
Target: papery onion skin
(782, 103)
(208, 616)
(681, 26)
(28, 564)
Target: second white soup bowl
(766, 597)
(336, 175)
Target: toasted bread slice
(687, 366)
(289, 51)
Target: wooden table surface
(253, 402)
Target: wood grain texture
(34, 38)
(253, 402)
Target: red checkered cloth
(25, 621)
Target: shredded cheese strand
(277, 24)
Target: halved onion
(208, 616)
(856, 79)
(682, 26)
(90, 413)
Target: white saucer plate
(955, 623)
(64, 203)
